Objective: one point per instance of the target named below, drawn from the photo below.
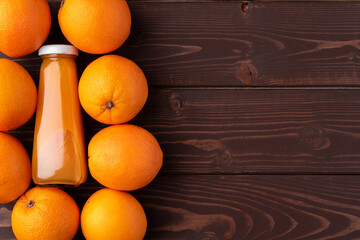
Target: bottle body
(59, 155)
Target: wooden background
(257, 109)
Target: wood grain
(226, 131)
(217, 44)
(246, 207)
(241, 162)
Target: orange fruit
(15, 170)
(45, 213)
(124, 157)
(18, 95)
(111, 214)
(113, 89)
(95, 26)
(24, 26)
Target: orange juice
(59, 146)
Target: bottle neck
(56, 56)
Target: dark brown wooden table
(257, 109)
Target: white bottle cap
(58, 49)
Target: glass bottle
(59, 146)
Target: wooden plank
(216, 44)
(247, 207)
(228, 131)
(5, 221)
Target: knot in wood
(315, 137)
(225, 160)
(175, 104)
(245, 6)
(247, 74)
